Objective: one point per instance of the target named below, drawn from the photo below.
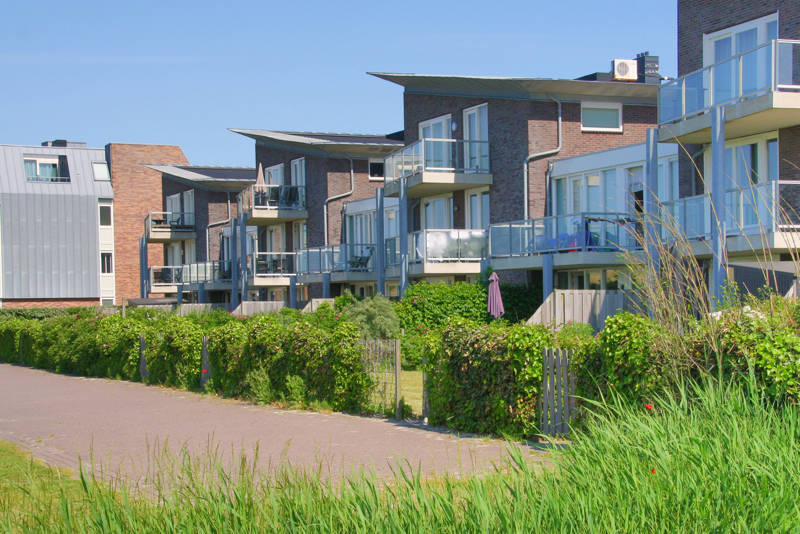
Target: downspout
(538, 155)
(217, 223)
(336, 197)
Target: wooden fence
(590, 306)
(382, 359)
(557, 399)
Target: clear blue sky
(181, 73)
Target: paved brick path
(60, 418)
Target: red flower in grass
(648, 406)
(653, 471)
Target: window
(601, 117)
(105, 215)
(376, 169)
(478, 206)
(299, 171)
(46, 169)
(476, 137)
(106, 263)
(100, 171)
(438, 213)
(300, 235)
(772, 159)
(720, 45)
(274, 175)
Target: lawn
(411, 390)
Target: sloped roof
(215, 178)
(333, 144)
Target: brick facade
(209, 207)
(48, 303)
(137, 191)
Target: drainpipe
(336, 197)
(217, 223)
(538, 155)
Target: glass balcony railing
(392, 248)
(438, 155)
(192, 273)
(272, 263)
(773, 66)
(564, 233)
(347, 257)
(446, 245)
(169, 220)
(267, 196)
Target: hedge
(318, 354)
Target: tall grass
(712, 459)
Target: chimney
(648, 68)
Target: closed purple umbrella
(495, 307)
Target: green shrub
(520, 301)
(295, 389)
(487, 379)
(426, 306)
(375, 316)
(9, 334)
(227, 346)
(175, 358)
(625, 358)
(258, 387)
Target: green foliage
(626, 361)
(375, 316)
(487, 378)
(295, 389)
(174, 359)
(520, 301)
(258, 387)
(426, 306)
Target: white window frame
(447, 119)
(760, 140)
(272, 171)
(468, 208)
(103, 252)
(759, 24)
(602, 105)
(299, 235)
(370, 161)
(298, 163)
(423, 219)
(111, 209)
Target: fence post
(424, 387)
(397, 410)
(143, 372)
(205, 372)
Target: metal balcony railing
(169, 220)
(346, 257)
(272, 263)
(438, 155)
(267, 196)
(191, 273)
(773, 66)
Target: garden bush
(428, 306)
(375, 316)
(174, 359)
(487, 378)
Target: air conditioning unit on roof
(625, 70)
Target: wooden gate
(557, 399)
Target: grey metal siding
(49, 231)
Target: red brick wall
(49, 303)
(325, 177)
(137, 191)
(518, 128)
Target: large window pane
(600, 118)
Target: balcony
(581, 239)
(760, 90)
(270, 269)
(166, 226)
(268, 204)
(446, 251)
(347, 262)
(433, 166)
(167, 278)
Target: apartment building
(735, 107)
(57, 245)
(476, 154)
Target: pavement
(122, 427)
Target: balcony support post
(293, 291)
(380, 245)
(243, 254)
(234, 259)
(202, 294)
(547, 276)
(403, 213)
(143, 270)
(326, 285)
(719, 214)
(179, 296)
(651, 212)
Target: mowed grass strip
(710, 459)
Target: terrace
(166, 226)
(269, 204)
